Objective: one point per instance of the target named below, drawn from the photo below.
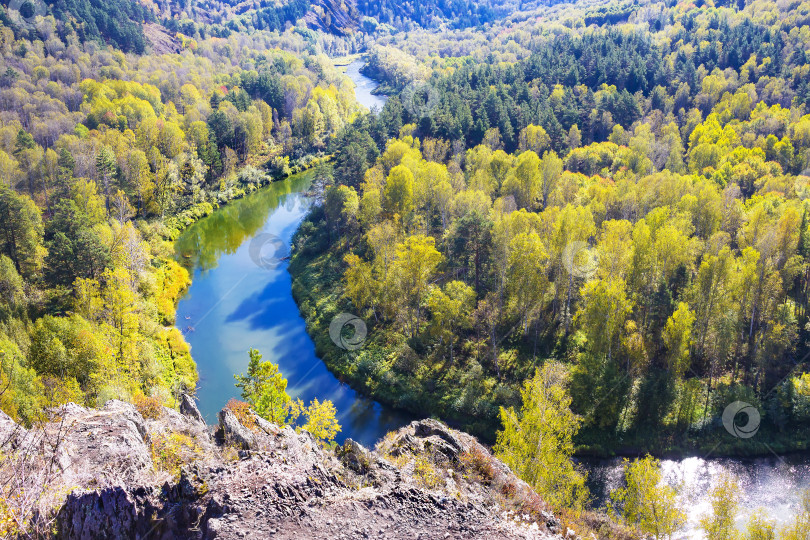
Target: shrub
(800, 396)
(242, 412)
(425, 473)
(478, 464)
(8, 525)
(150, 407)
(169, 452)
(509, 489)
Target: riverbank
(240, 298)
(210, 237)
(377, 369)
(245, 185)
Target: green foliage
(719, 525)
(264, 388)
(67, 347)
(116, 21)
(170, 452)
(21, 225)
(425, 473)
(760, 527)
(537, 441)
(321, 420)
(646, 501)
(341, 206)
(799, 527)
(611, 259)
(20, 388)
(106, 138)
(355, 151)
(12, 290)
(74, 248)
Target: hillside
(117, 22)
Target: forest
(628, 201)
(104, 156)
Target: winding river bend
(234, 304)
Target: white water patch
(773, 483)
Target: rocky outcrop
(189, 408)
(425, 480)
(160, 39)
(234, 433)
(336, 16)
(99, 446)
(11, 434)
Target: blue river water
(235, 304)
(364, 86)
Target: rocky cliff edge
(112, 473)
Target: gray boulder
(429, 427)
(355, 456)
(109, 513)
(12, 434)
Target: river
(364, 86)
(236, 301)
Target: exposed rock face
(425, 480)
(101, 445)
(189, 408)
(339, 16)
(110, 513)
(161, 40)
(234, 433)
(11, 434)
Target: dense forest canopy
(118, 22)
(628, 200)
